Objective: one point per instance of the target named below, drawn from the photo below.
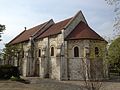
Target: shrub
(7, 71)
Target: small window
(52, 51)
(39, 53)
(96, 51)
(76, 52)
(22, 54)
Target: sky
(17, 14)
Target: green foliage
(7, 71)
(20, 80)
(15, 78)
(10, 51)
(114, 55)
(114, 51)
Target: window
(22, 54)
(39, 53)
(52, 51)
(96, 51)
(76, 52)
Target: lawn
(46, 84)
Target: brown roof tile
(25, 35)
(83, 31)
(55, 28)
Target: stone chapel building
(57, 50)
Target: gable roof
(39, 32)
(55, 28)
(80, 30)
(83, 31)
(78, 14)
(26, 34)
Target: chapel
(64, 50)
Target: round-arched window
(39, 53)
(76, 51)
(96, 51)
(23, 54)
(52, 51)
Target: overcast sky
(17, 14)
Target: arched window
(22, 54)
(96, 51)
(39, 53)
(76, 52)
(52, 51)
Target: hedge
(7, 71)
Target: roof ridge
(93, 30)
(44, 27)
(16, 37)
(82, 30)
(96, 33)
(55, 28)
(63, 20)
(79, 12)
(36, 26)
(25, 31)
(44, 24)
(72, 19)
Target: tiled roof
(83, 31)
(25, 35)
(55, 28)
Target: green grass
(19, 80)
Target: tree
(92, 74)
(10, 52)
(2, 28)
(116, 4)
(114, 53)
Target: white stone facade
(62, 64)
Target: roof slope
(25, 35)
(83, 31)
(55, 28)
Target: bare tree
(92, 74)
(116, 5)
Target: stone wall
(26, 65)
(86, 55)
(50, 64)
(74, 71)
(75, 67)
(102, 46)
(63, 65)
(42, 44)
